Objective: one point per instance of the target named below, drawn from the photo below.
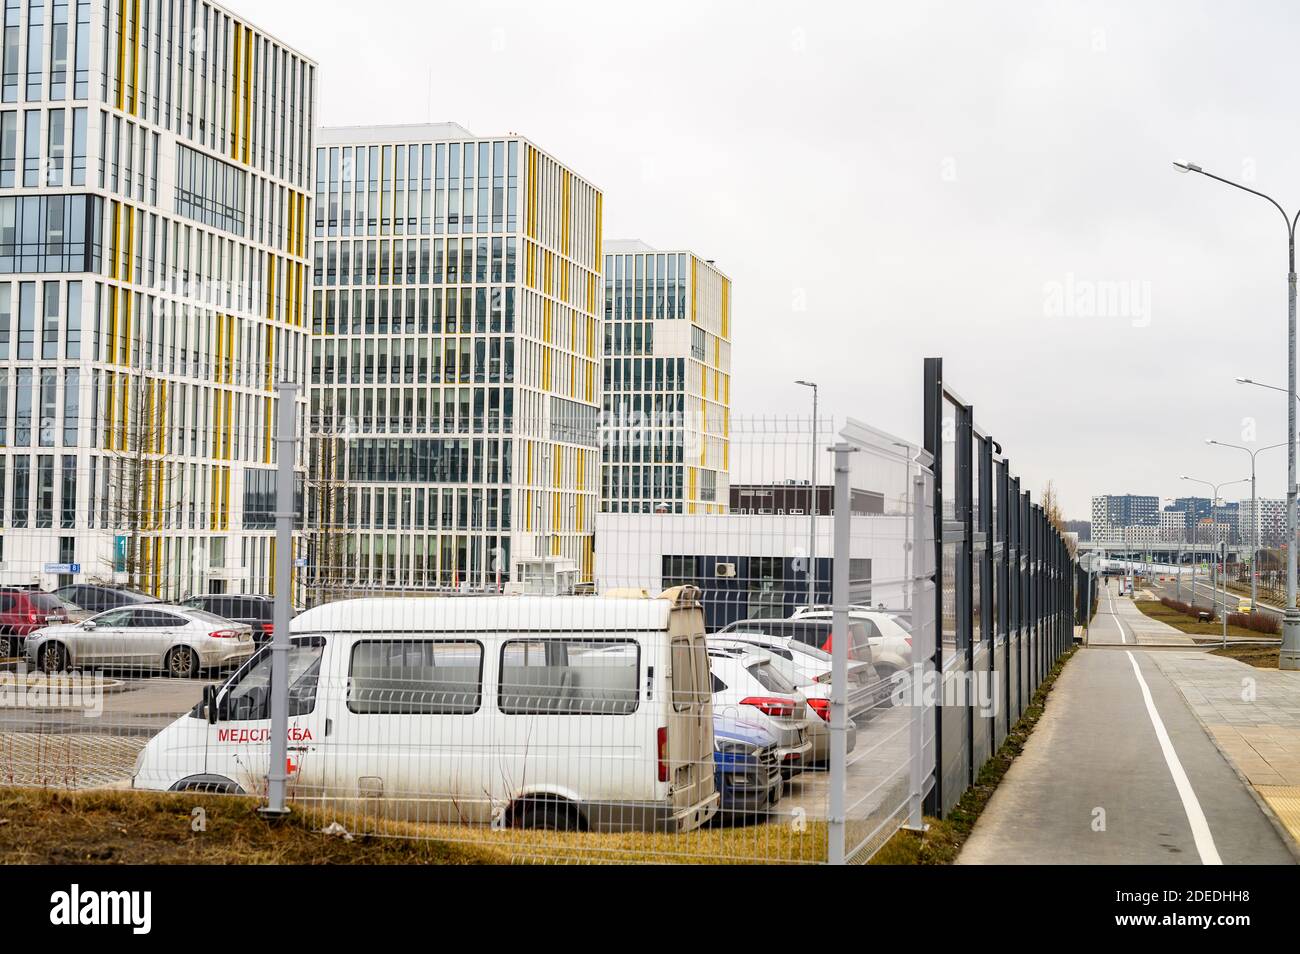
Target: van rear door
(690, 729)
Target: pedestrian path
(1118, 620)
(1120, 770)
(1253, 715)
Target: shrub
(1256, 622)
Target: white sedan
(179, 640)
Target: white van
(563, 712)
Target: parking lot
(75, 747)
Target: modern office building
(666, 418)
(455, 359)
(155, 175)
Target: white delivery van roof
(468, 614)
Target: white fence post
(286, 454)
(839, 655)
(915, 818)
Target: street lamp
(812, 509)
(1254, 513)
(1289, 657)
(1214, 502)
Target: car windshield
(66, 595)
(134, 596)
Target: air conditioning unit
(727, 570)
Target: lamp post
(1214, 502)
(812, 509)
(1254, 512)
(1289, 657)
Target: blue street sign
(63, 568)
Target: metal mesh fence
(760, 668)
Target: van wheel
(53, 658)
(10, 647)
(547, 815)
(182, 663)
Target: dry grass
(942, 843)
(40, 826)
(1261, 657)
(1191, 625)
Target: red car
(22, 612)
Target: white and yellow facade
(666, 408)
(138, 366)
(456, 358)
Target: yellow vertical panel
(233, 92)
(225, 496)
(266, 432)
(229, 424)
(270, 287)
(248, 94)
(726, 308)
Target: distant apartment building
(455, 361)
(1111, 513)
(666, 411)
(1271, 518)
(155, 177)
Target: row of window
(427, 188)
(61, 161)
(647, 286)
(447, 559)
(409, 262)
(414, 311)
(33, 484)
(412, 508)
(50, 233)
(190, 76)
(349, 412)
(209, 190)
(23, 68)
(37, 399)
(39, 320)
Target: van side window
(416, 677)
(570, 677)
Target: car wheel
(182, 663)
(53, 657)
(886, 674)
(10, 647)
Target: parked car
(816, 694)
(96, 597)
(536, 711)
(746, 771)
(23, 612)
(811, 663)
(889, 636)
(750, 688)
(254, 610)
(178, 640)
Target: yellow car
(1244, 605)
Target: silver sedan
(179, 640)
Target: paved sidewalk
(1120, 771)
(1253, 715)
(1119, 621)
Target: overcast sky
(988, 182)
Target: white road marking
(1122, 638)
(1195, 817)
